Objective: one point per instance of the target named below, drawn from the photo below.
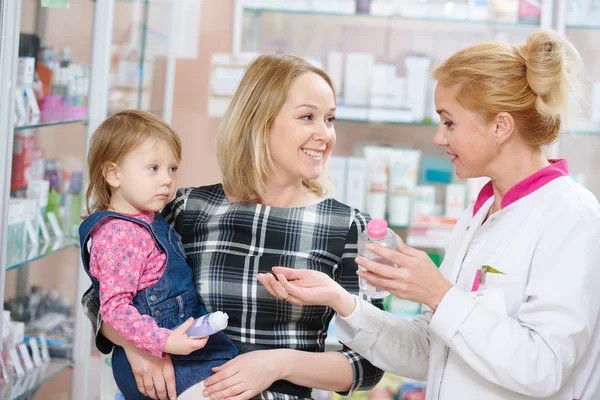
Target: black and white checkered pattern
(227, 244)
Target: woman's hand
(416, 278)
(304, 287)
(155, 377)
(247, 375)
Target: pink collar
(556, 169)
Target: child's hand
(179, 342)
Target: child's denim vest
(170, 301)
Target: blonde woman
(513, 311)
(270, 210)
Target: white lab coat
(548, 246)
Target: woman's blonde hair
(116, 137)
(531, 82)
(242, 141)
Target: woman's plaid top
(227, 244)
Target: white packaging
(357, 78)
(381, 90)
(399, 206)
(399, 115)
(26, 72)
(506, 11)
(31, 209)
(333, 6)
(398, 92)
(5, 324)
(383, 8)
(414, 8)
(479, 10)
(377, 192)
(346, 113)
(417, 75)
(404, 170)
(377, 199)
(431, 109)
(457, 10)
(335, 68)
(336, 167)
(356, 182)
(38, 191)
(423, 201)
(456, 196)
(17, 333)
(17, 238)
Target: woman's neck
(288, 195)
(513, 168)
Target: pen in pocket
(480, 276)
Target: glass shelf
(24, 387)
(52, 119)
(583, 27)
(18, 257)
(260, 10)
(580, 132)
(368, 121)
(360, 118)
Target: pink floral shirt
(123, 274)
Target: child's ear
(111, 174)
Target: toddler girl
(135, 259)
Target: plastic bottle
(52, 174)
(377, 232)
(72, 214)
(208, 324)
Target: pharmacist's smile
(454, 156)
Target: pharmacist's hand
(180, 343)
(307, 287)
(154, 377)
(416, 279)
(247, 375)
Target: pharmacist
(512, 313)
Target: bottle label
(200, 328)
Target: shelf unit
(277, 29)
(51, 120)
(153, 25)
(18, 259)
(109, 19)
(249, 9)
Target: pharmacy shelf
(384, 122)
(24, 387)
(52, 119)
(263, 10)
(19, 256)
(582, 133)
(429, 123)
(588, 27)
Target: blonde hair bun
(549, 61)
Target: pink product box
(53, 108)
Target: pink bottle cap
(377, 228)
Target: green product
(56, 3)
(53, 202)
